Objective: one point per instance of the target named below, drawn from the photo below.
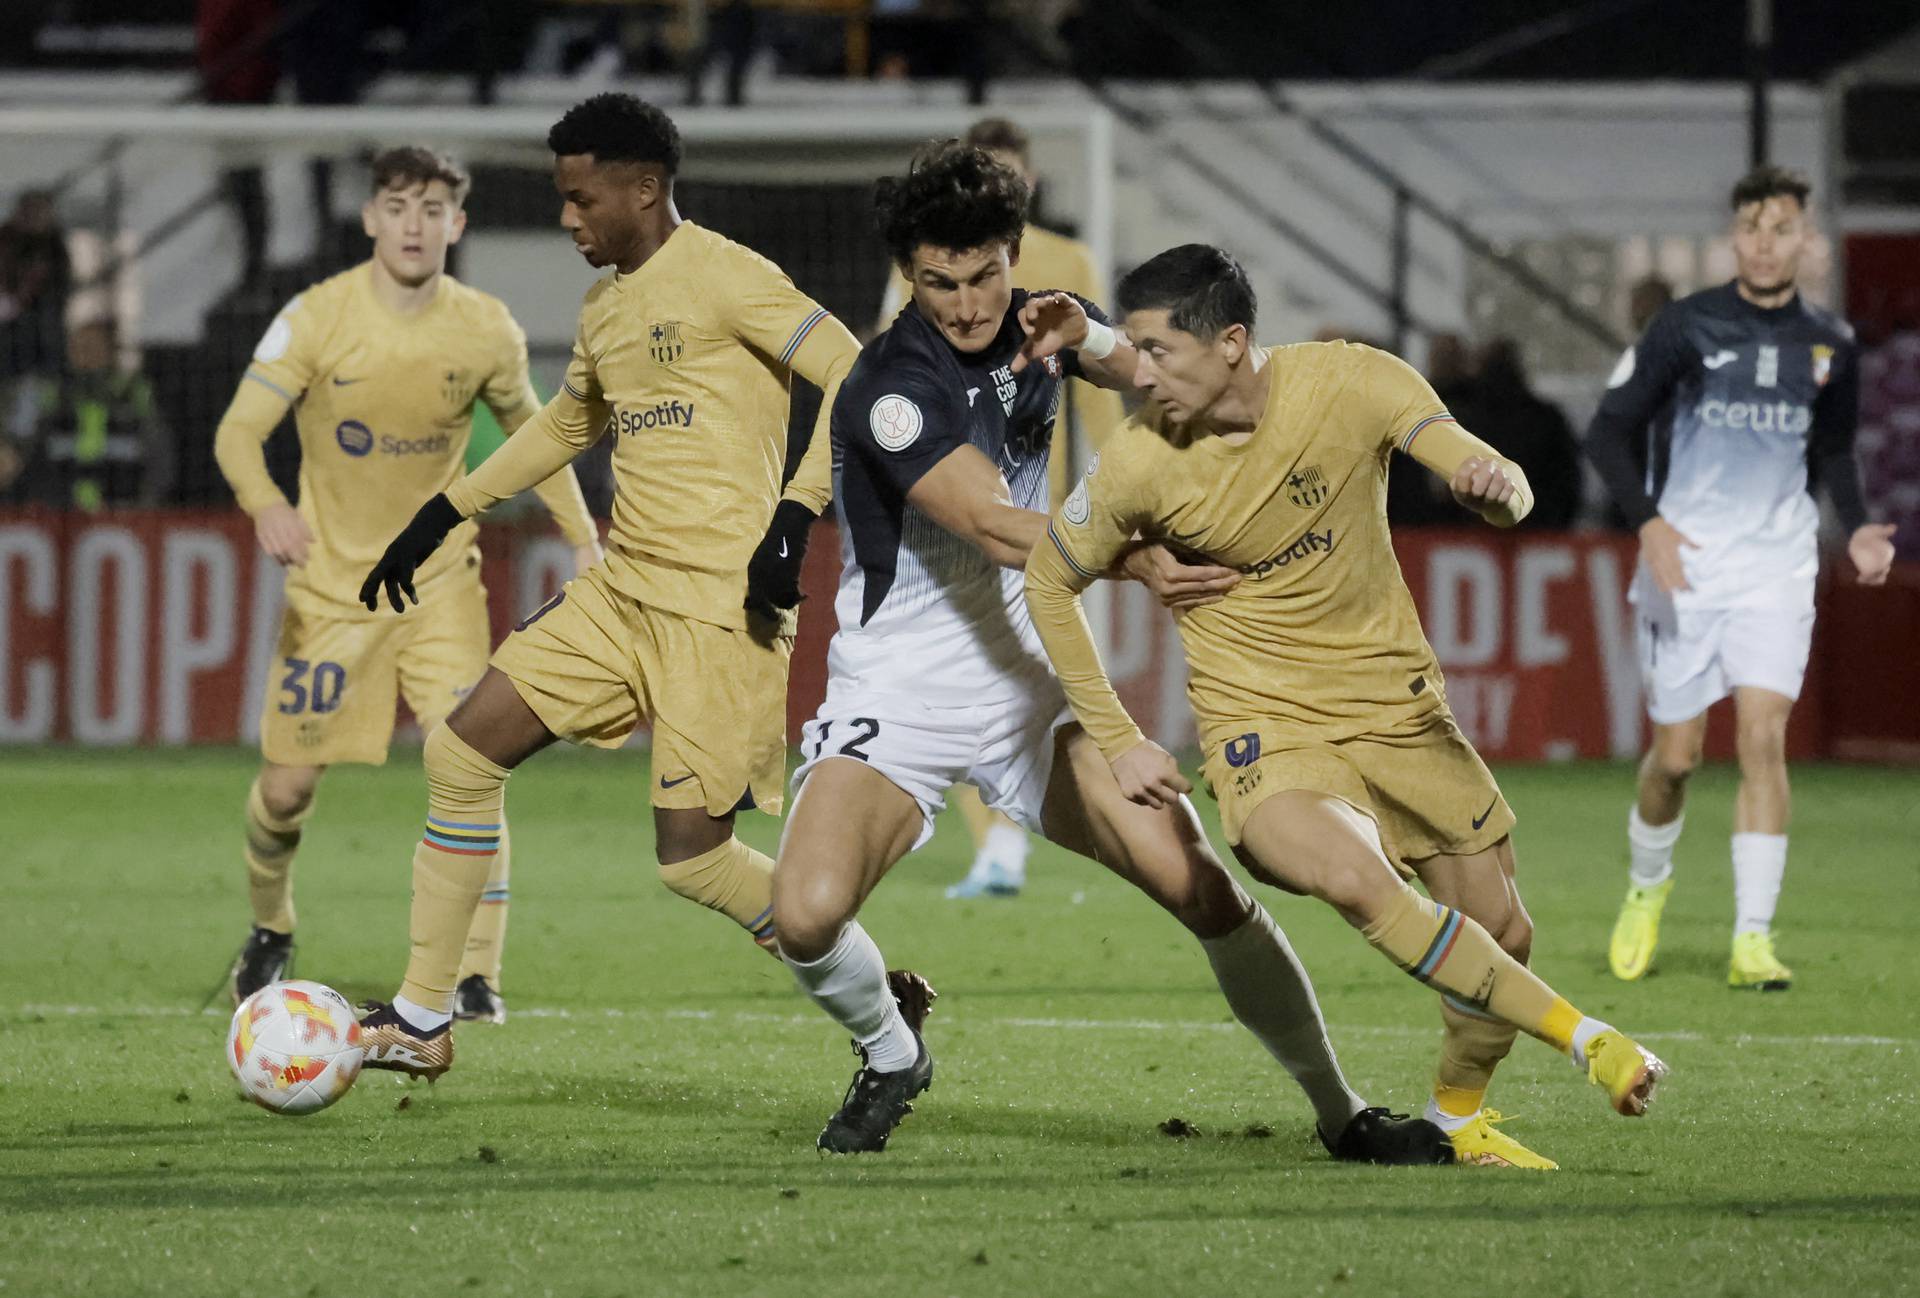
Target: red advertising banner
(158, 627)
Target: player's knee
(1210, 903)
(1352, 889)
(287, 791)
(1761, 741)
(809, 910)
(1516, 936)
(681, 834)
(1673, 763)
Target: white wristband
(1101, 340)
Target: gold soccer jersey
(686, 363)
(383, 404)
(1320, 640)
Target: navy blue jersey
(910, 401)
(1756, 406)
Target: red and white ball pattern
(295, 1047)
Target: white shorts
(1690, 659)
(1006, 751)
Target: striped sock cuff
(1441, 946)
(462, 838)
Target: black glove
(415, 544)
(773, 574)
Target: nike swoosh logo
(665, 783)
(1718, 359)
(341, 383)
(783, 547)
(1481, 819)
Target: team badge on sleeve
(1822, 363)
(1076, 508)
(895, 421)
(278, 337)
(1622, 369)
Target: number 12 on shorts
(866, 730)
(315, 687)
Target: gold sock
(487, 937)
(732, 879)
(466, 818)
(1474, 1045)
(1445, 949)
(271, 843)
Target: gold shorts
(593, 664)
(1422, 784)
(331, 696)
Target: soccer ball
(294, 1047)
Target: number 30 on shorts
(866, 730)
(314, 687)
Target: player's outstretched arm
(965, 494)
(538, 449)
(1481, 479)
(1055, 581)
(1058, 322)
(514, 406)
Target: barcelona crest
(663, 342)
(1307, 487)
(454, 390)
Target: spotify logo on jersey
(355, 438)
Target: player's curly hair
(1762, 183)
(412, 165)
(1203, 289)
(618, 128)
(953, 196)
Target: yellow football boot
(1627, 1070)
(1755, 966)
(1479, 1143)
(1637, 931)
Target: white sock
(850, 983)
(1447, 1122)
(1272, 997)
(1759, 862)
(1006, 846)
(419, 1017)
(1651, 847)
(1582, 1035)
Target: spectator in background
(89, 438)
(36, 276)
(1644, 300)
(1519, 423)
(1647, 297)
(233, 50)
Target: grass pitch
(644, 1122)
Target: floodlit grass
(644, 1122)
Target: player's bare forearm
(965, 494)
(1115, 370)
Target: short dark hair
(1001, 135)
(412, 165)
(953, 196)
(1762, 183)
(618, 128)
(1203, 289)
